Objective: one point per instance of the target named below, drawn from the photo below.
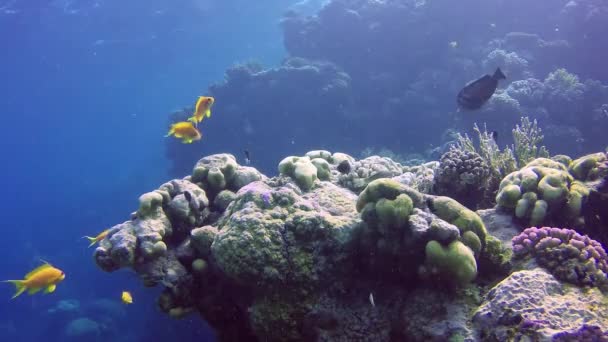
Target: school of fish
(187, 131)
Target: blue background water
(86, 87)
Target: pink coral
(569, 255)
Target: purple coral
(585, 333)
(569, 255)
(266, 197)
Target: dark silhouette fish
(247, 157)
(495, 136)
(476, 93)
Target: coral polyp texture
(463, 175)
(552, 190)
(569, 255)
(335, 248)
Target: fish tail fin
(19, 287)
(498, 75)
(92, 240)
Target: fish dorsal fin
(38, 269)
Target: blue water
(86, 88)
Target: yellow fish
(44, 277)
(202, 109)
(126, 297)
(186, 131)
(99, 237)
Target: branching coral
(527, 138)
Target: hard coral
(567, 254)
(462, 175)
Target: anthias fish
(126, 297)
(476, 93)
(202, 109)
(44, 277)
(185, 131)
(96, 239)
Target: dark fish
(344, 167)
(476, 93)
(247, 157)
(495, 136)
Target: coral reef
(557, 189)
(328, 252)
(568, 255)
(484, 184)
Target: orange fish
(99, 237)
(186, 131)
(44, 277)
(202, 109)
(126, 297)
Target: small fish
(453, 44)
(126, 297)
(202, 109)
(44, 277)
(96, 239)
(495, 136)
(344, 167)
(247, 157)
(185, 131)
(476, 93)
(371, 299)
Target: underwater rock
(532, 304)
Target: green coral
(323, 170)
(536, 191)
(394, 212)
(528, 136)
(589, 167)
(388, 189)
(457, 214)
(472, 241)
(455, 262)
(301, 169)
(574, 206)
(509, 196)
(496, 257)
(539, 212)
